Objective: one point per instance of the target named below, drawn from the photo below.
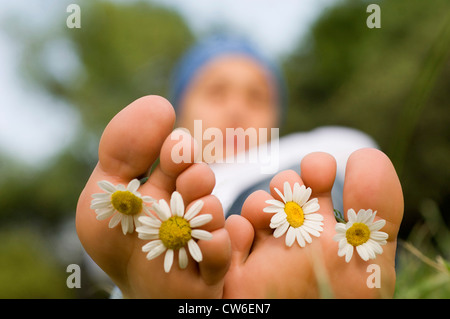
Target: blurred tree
(123, 51)
(391, 83)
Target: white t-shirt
(233, 178)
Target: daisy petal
(280, 194)
(281, 230)
(176, 204)
(104, 213)
(376, 247)
(365, 216)
(287, 192)
(107, 186)
(104, 196)
(168, 260)
(115, 220)
(201, 234)
(182, 258)
(314, 217)
(195, 251)
(299, 237)
(311, 231)
(296, 193)
(305, 195)
(150, 221)
(290, 236)
(275, 202)
(278, 218)
(379, 235)
(311, 206)
(194, 210)
(154, 244)
(133, 185)
(156, 251)
(130, 224)
(343, 243)
(362, 251)
(340, 228)
(351, 215)
(125, 224)
(317, 226)
(200, 220)
(272, 209)
(162, 210)
(148, 230)
(377, 225)
(137, 223)
(305, 235)
(100, 204)
(338, 237)
(348, 253)
(148, 199)
(146, 236)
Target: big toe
(371, 182)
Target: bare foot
(129, 146)
(263, 266)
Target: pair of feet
(243, 259)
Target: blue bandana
(218, 45)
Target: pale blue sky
(34, 127)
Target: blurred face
(230, 92)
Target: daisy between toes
(124, 204)
(296, 215)
(360, 233)
(173, 231)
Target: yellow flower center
(126, 202)
(175, 232)
(294, 212)
(358, 234)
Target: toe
(371, 182)
(216, 252)
(216, 257)
(131, 142)
(278, 181)
(241, 234)
(128, 148)
(210, 205)
(177, 154)
(252, 210)
(318, 171)
(196, 181)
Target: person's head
(224, 82)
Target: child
(225, 84)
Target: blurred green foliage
(124, 51)
(27, 267)
(391, 83)
(423, 270)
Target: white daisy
(173, 231)
(124, 204)
(295, 215)
(362, 233)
